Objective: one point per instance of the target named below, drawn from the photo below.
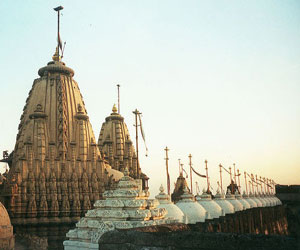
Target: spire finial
(56, 56)
(161, 188)
(114, 109)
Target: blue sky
(217, 79)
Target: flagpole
(239, 184)
(136, 112)
(231, 180)
(246, 182)
(221, 177)
(180, 172)
(118, 85)
(234, 173)
(208, 191)
(261, 186)
(167, 168)
(58, 9)
(190, 157)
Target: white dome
(212, 208)
(245, 203)
(268, 202)
(278, 201)
(262, 200)
(192, 210)
(258, 202)
(236, 204)
(251, 202)
(174, 212)
(227, 207)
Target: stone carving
(125, 207)
(55, 152)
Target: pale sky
(217, 79)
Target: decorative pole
(58, 9)
(250, 186)
(180, 172)
(167, 168)
(118, 85)
(239, 184)
(231, 180)
(261, 186)
(256, 183)
(246, 184)
(206, 168)
(220, 166)
(190, 157)
(234, 173)
(136, 113)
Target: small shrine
(247, 198)
(239, 197)
(7, 240)
(213, 209)
(235, 203)
(125, 207)
(165, 202)
(192, 210)
(257, 201)
(227, 207)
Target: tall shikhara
(56, 169)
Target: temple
(56, 169)
(117, 147)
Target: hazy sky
(217, 79)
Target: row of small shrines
(128, 206)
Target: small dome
(273, 202)
(173, 211)
(6, 230)
(227, 207)
(262, 200)
(251, 202)
(192, 210)
(213, 209)
(235, 203)
(245, 203)
(253, 197)
(278, 201)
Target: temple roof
(114, 141)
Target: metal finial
(114, 109)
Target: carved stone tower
(115, 143)
(56, 169)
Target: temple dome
(251, 202)
(227, 207)
(173, 210)
(180, 185)
(245, 203)
(262, 200)
(231, 198)
(254, 198)
(6, 230)
(192, 210)
(213, 209)
(115, 143)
